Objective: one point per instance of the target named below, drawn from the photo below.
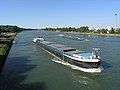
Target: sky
(60, 13)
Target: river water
(29, 67)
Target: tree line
(69, 29)
(83, 29)
(9, 28)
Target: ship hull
(82, 64)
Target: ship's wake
(78, 68)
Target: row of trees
(69, 29)
(105, 31)
(118, 31)
(83, 29)
(9, 28)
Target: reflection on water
(13, 75)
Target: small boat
(85, 61)
(60, 35)
(13, 42)
(73, 38)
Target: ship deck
(58, 46)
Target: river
(29, 67)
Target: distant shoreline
(118, 35)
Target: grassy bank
(5, 45)
(3, 48)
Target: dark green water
(29, 67)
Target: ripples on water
(29, 67)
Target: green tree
(9, 28)
(103, 31)
(0, 30)
(112, 31)
(83, 29)
(117, 31)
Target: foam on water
(78, 68)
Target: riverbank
(101, 34)
(118, 35)
(6, 41)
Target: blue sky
(60, 13)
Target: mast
(115, 21)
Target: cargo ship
(85, 61)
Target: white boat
(13, 42)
